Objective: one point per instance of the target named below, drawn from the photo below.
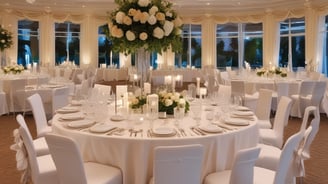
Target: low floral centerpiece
(270, 72)
(149, 24)
(13, 69)
(5, 39)
(137, 102)
(167, 101)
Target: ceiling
(184, 7)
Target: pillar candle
(147, 88)
(198, 85)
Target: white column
(208, 42)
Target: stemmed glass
(197, 112)
(178, 115)
(210, 117)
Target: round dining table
(128, 143)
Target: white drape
(89, 27)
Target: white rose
(130, 35)
(177, 22)
(143, 3)
(168, 102)
(119, 17)
(158, 33)
(144, 17)
(2, 41)
(152, 20)
(127, 20)
(168, 27)
(153, 10)
(143, 36)
(169, 14)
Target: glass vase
(142, 59)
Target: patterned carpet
(316, 167)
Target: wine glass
(197, 112)
(178, 115)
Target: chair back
(38, 111)
(308, 111)
(67, 158)
(242, 171)
(60, 98)
(282, 89)
(281, 118)
(315, 123)
(225, 91)
(306, 88)
(104, 89)
(318, 92)
(286, 157)
(178, 164)
(21, 121)
(31, 153)
(237, 88)
(263, 105)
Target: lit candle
(198, 85)
(147, 88)
(111, 58)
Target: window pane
(191, 43)
(67, 42)
(227, 30)
(28, 42)
(227, 52)
(253, 53)
(294, 30)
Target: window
(28, 42)
(325, 48)
(292, 43)
(67, 42)
(191, 51)
(236, 43)
(105, 54)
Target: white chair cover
(242, 170)
(274, 136)
(178, 164)
(263, 108)
(43, 169)
(3, 100)
(39, 115)
(40, 145)
(283, 173)
(71, 168)
(306, 89)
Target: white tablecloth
(134, 155)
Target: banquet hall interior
(134, 85)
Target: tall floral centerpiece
(142, 27)
(5, 42)
(149, 24)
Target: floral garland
(5, 39)
(151, 24)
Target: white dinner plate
(71, 117)
(76, 102)
(164, 131)
(236, 121)
(242, 113)
(211, 128)
(68, 109)
(242, 108)
(101, 128)
(117, 118)
(80, 124)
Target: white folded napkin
(236, 121)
